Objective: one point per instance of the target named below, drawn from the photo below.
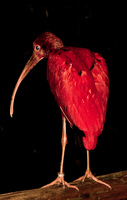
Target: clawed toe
(60, 180)
(71, 186)
(89, 175)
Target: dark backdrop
(30, 142)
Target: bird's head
(42, 47)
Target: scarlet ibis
(79, 81)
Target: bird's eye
(37, 47)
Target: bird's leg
(63, 143)
(88, 173)
(60, 179)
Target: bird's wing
(74, 85)
(96, 64)
(85, 55)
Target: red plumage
(78, 78)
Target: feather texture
(78, 78)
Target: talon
(60, 180)
(89, 175)
(83, 180)
(63, 187)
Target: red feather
(78, 78)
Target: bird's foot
(60, 180)
(88, 174)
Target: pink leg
(88, 174)
(60, 179)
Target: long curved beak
(29, 65)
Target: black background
(30, 142)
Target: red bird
(79, 81)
